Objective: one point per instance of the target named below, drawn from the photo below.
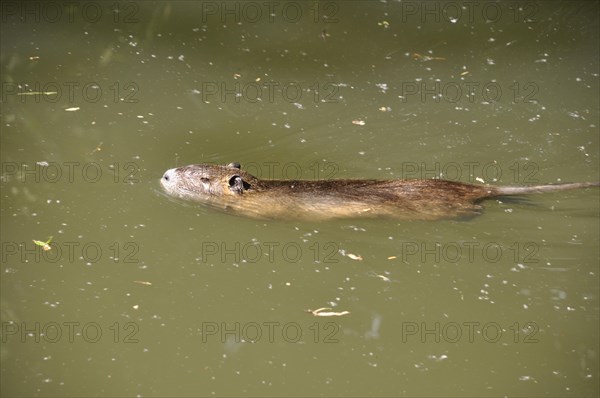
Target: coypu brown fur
(231, 188)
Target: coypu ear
(234, 165)
(237, 185)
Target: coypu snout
(174, 185)
(168, 180)
(168, 175)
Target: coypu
(230, 188)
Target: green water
(141, 295)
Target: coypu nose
(168, 177)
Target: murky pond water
(143, 295)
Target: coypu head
(204, 181)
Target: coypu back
(229, 187)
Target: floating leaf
(321, 312)
(45, 245)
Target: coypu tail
(543, 188)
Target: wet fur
(231, 188)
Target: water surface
(193, 302)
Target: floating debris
(39, 93)
(45, 245)
(359, 122)
(73, 109)
(143, 283)
(437, 358)
(385, 278)
(425, 58)
(320, 312)
(354, 257)
(98, 148)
